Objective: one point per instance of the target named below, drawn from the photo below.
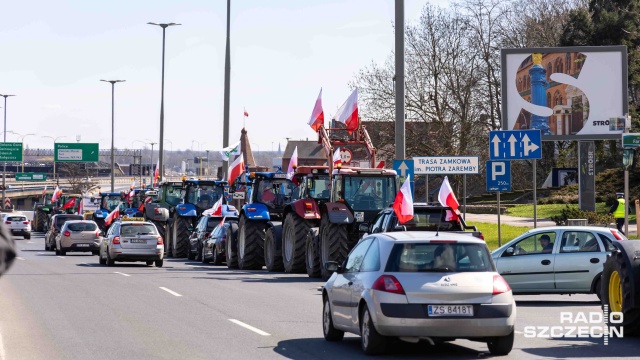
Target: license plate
(450, 310)
(82, 245)
(138, 241)
(359, 215)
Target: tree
(77, 176)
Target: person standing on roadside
(618, 212)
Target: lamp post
(21, 138)
(55, 139)
(208, 167)
(113, 83)
(151, 169)
(161, 142)
(4, 167)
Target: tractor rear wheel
(231, 247)
(180, 236)
(618, 288)
(334, 245)
(250, 244)
(293, 243)
(41, 218)
(312, 254)
(272, 255)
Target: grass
(507, 233)
(546, 211)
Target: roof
(429, 236)
(306, 150)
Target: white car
(415, 286)
(18, 224)
(572, 263)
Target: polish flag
(222, 221)
(45, 190)
(446, 197)
(56, 194)
(81, 207)
(216, 210)
(317, 115)
(348, 112)
(337, 159)
(69, 204)
(293, 163)
(403, 204)
(147, 200)
(236, 168)
(246, 114)
(156, 174)
(132, 193)
(112, 215)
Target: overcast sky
(53, 54)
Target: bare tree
(77, 176)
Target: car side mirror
(400, 228)
(363, 228)
(333, 266)
(509, 252)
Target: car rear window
(16, 218)
(439, 257)
(137, 229)
(61, 220)
(82, 227)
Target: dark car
(425, 218)
(55, 224)
(215, 245)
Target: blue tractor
(198, 196)
(259, 239)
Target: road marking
(246, 326)
(60, 257)
(3, 355)
(123, 274)
(19, 258)
(29, 242)
(41, 253)
(518, 332)
(170, 291)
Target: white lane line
(3, 355)
(170, 291)
(518, 332)
(41, 253)
(29, 242)
(19, 258)
(60, 257)
(123, 274)
(247, 326)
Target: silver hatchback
(78, 236)
(132, 241)
(415, 286)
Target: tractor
(166, 197)
(109, 201)
(41, 211)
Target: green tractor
(41, 211)
(167, 197)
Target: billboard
(569, 93)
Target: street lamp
(151, 172)
(113, 83)
(21, 138)
(4, 167)
(55, 139)
(161, 142)
(208, 167)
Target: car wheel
(101, 259)
(96, 252)
(57, 252)
(372, 342)
(501, 345)
(110, 261)
(63, 252)
(217, 258)
(198, 255)
(159, 263)
(330, 332)
(598, 288)
(191, 255)
(149, 262)
(27, 236)
(203, 257)
(46, 246)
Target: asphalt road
(70, 307)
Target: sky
(54, 54)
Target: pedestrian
(618, 211)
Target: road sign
(7, 203)
(428, 165)
(515, 145)
(31, 176)
(76, 152)
(346, 155)
(403, 168)
(630, 141)
(11, 151)
(498, 176)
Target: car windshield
(369, 192)
(82, 227)
(439, 257)
(426, 219)
(137, 229)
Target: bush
(593, 218)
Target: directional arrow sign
(403, 167)
(515, 144)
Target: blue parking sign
(498, 176)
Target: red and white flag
(293, 163)
(112, 215)
(56, 194)
(348, 112)
(317, 115)
(246, 114)
(446, 197)
(156, 174)
(403, 204)
(337, 159)
(131, 195)
(222, 221)
(81, 207)
(147, 200)
(216, 210)
(236, 168)
(45, 190)
(71, 203)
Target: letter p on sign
(497, 169)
